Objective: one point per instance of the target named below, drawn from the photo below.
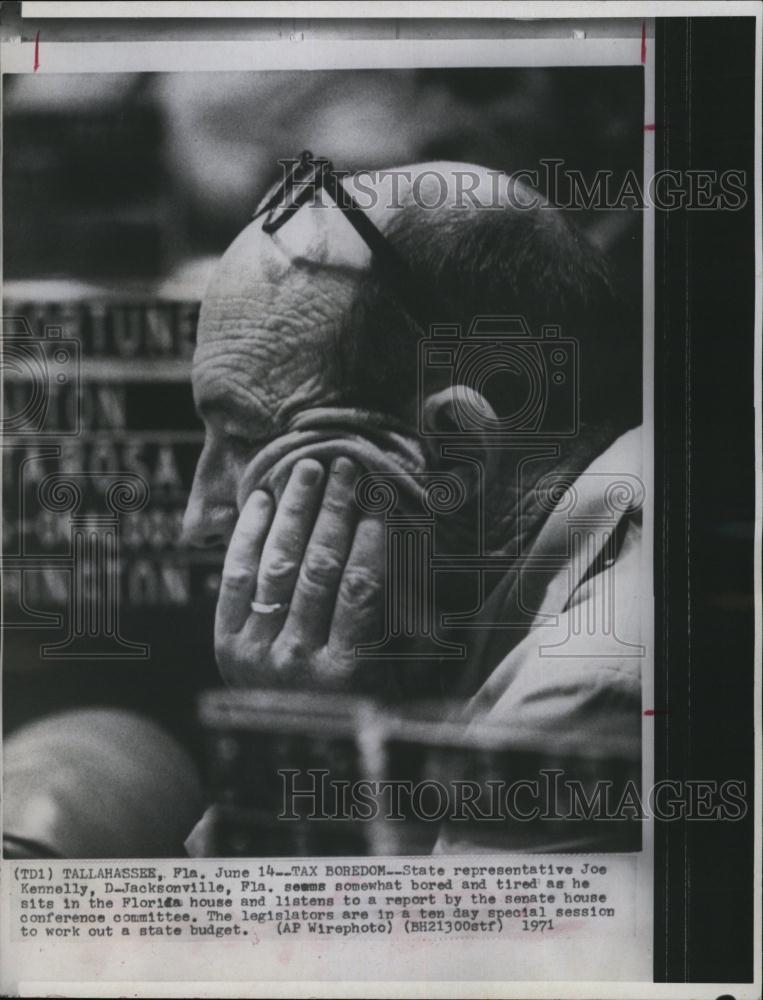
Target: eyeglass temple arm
(281, 192)
(302, 196)
(395, 267)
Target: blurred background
(175, 162)
(119, 193)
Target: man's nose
(209, 517)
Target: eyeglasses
(310, 174)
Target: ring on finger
(269, 609)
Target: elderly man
(306, 376)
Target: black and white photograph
(394, 466)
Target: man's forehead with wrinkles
(275, 305)
(270, 316)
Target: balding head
(305, 318)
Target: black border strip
(704, 322)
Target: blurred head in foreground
(97, 783)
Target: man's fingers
(315, 595)
(358, 615)
(313, 556)
(242, 560)
(287, 540)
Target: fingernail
(259, 498)
(342, 466)
(309, 472)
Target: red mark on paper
(643, 42)
(649, 128)
(36, 52)
(656, 711)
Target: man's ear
(457, 422)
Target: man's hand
(322, 564)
